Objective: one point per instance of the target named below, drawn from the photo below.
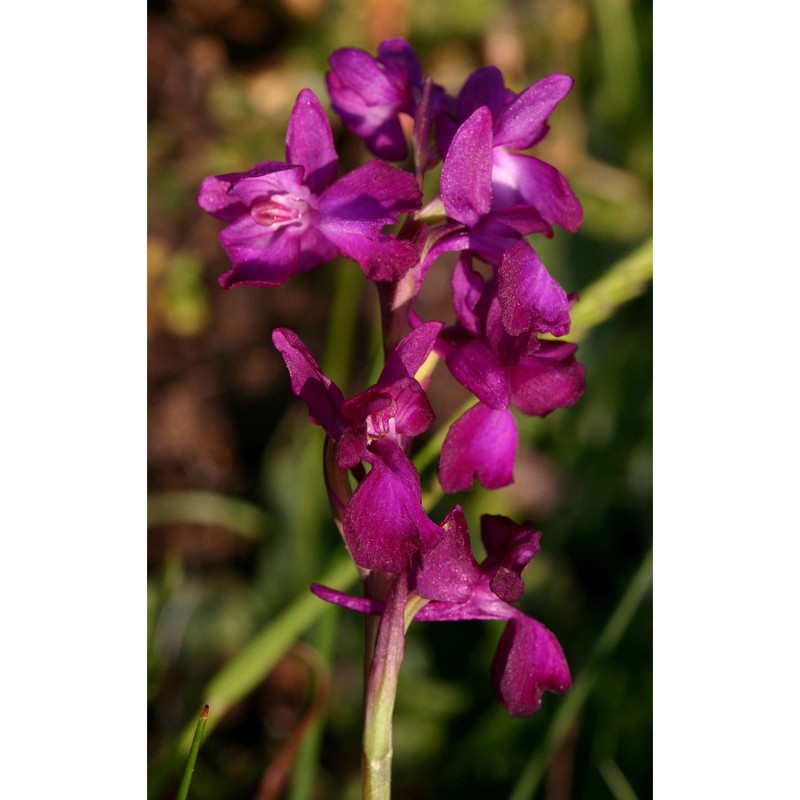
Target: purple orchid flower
(384, 523)
(290, 217)
(369, 93)
(466, 195)
(518, 122)
(529, 659)
(494, 351)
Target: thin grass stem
(188, 772)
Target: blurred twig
(278, 770)
(307, 762)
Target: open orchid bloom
(369, 93)
(466, 194)
(494, 351)
(287, 217)
(450, 585)
(518, 122)
(384, 523)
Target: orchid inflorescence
(291, 216)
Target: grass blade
(616, 781)
(183, 791)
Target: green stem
(377, 585)
(620, 283)
(343, 322)
(376, 761)
(183, 790)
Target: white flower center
(282, 210)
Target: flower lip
(282, 210)
(381, 421)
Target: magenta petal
(260, 256)
(374, 192)
(401, 63)
(314, 249)
(550, 378)
(384, 523)
(382, 258)
(360, 74)
(413, 412)
(216, 198)
(484, 87)
(451, 237)
(528, 662)
(477, 368)
(512, 221)
(507, 585)
(388, 141)
(361, 604)
(467, 172)
(449, 572)
(524, 122)
(309, 142)
(271, 177)
(321, 395)
(498, 230)
(218, 194)
(355, 208)
(507, 542)
(254, 273)
(510, 548)
(468, 288)
(400, 408)
(530, 298)
(518, 178)
(452, 612)
(410, 353)
(272, 233)
(352, 447)
(368, 94)
(481, 444)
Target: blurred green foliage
(227, 563)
